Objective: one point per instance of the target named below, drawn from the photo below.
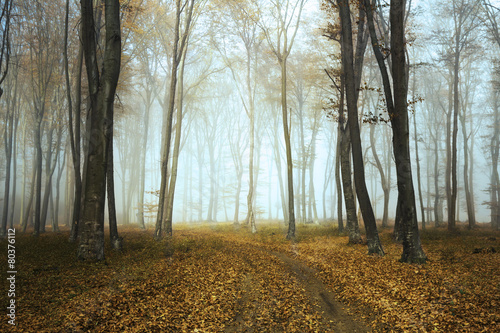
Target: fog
(229, 73)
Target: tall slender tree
(102, 87)
(398, 112)
(180, 42)
(374, 245)
(74, 130)
(287, 12)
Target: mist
(229, 91)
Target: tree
(102, 87)
(180, 43)
(457, 41)
(384, 179)
(243, 15)
(374, 245)
(334, 32)
(494, 153)
(43, 71)
(397, 107)
(10, 120)
(237, 145)
(491, 22)
(286, 14)
(5, 17)
(74, 132)
(416, 140)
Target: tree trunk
(383, 180)
(412, 249)
(116, 241)
(176, 58)
(312, 198)
(303, 166)
(75, 135)
(454, 186)
(250, 213)
(177, 141)
(270, 190)
(14, 174)
(288, 149)
(143, 160)
(422, 210)
(277, 159)
(237, 196)
(38, 167)
(374, 245)
(8, 135)
(350, 207)
(437, 215)
(495, 182)
(468, 197)
(55, 219)
(102, 93)
(49, 171)
(340, 219)
(24, 223)
(200, 183)
(328, 175)
(23, 192)
(251, 115)
(471, 182)
(212, 176)
(406, 221)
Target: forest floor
(214, 278)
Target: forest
(250, 165)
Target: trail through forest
(212, 278)
(272, 278)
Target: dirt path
(282, 294)
(331, 310)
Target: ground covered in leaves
(218, 279)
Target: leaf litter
(215, 279)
